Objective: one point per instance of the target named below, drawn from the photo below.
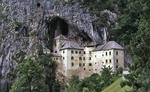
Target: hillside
(115, 87)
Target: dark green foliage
(134, 32)
(29, 77)
(94, 83)
(36, 74)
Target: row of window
(110, 61)
(78, 52)
(55, 58)
(80, 64)
(80, 58)
(106, 53)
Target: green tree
(49, 70)
(30, 78)
(106, 76)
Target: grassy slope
(115, 87)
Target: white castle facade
(83, 61)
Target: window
(116, 60)
(95, 55)
(89, 52)
(109, 53)
(63, 58)
(56, 58)
(110, 61)
(72, 52)
(90, 64)
(95, 63)
(117, 66)
(63, 51)
(89, 70)
(84, 68)
(80, 64)
(76, 52)
(106, 61)
(83, 58)
(106, 53)
(84, 52)
(80, 58)
(72, 58)
(55, 51)
(72, 64)
(79, 52)
(89, 58)
(102, 54)
(116, 52)
(83, 64)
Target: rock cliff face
(46, 19)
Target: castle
(83, 61)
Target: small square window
(76, 52)
(84, 52)
(117, 66)
(110, 61)
(72, 64)
(116, 60)
(80, 64)
(116, 52)
(63, 51)
(72, 52)
(106, 61)
(84, 68)
(72, 58)
(90, 64)
(89, 58)
(80, 58)
(83, 58)
(79, 52)
(83, 64)
(109, 53)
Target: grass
(115, 87)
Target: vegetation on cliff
(36, 74)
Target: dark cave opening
(61, 27)
(38, 5)
(56, 26)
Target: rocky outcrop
(46, 19)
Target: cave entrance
(56, 26)
(60, 26)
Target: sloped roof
(71, 45)
(60, 37)
(91, 44)
(109, 45)
(56, 54)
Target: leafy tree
(134, 32)
(49, 70)
(29, 78)
(106, 76)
